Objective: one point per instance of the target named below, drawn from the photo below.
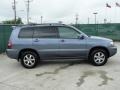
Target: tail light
(9, 45)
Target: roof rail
(45, 24)
(15, 26)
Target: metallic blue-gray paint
(54, 48)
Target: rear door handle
(36, 40)
(62, 40)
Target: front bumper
(112, 50)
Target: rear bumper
(12, 53)
(113, 50)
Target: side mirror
(81, 37)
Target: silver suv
(33, 43)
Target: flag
(117, 4)
(107, 5)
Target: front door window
(68, 33)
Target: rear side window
(45, 32)
(26, 33)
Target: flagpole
(107, 6)
(117, 6)
(116, 15)
(106, 13)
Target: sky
(62, 10)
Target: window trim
(57, 27)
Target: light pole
(14, 8)
(41, 19)
(28, 10)
(105, 21)
(96, 22)
(88, 20)
(95, 16)
(76, 19)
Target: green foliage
(18, 21)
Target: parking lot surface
(60, 75)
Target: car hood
(100, 38)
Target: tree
(18, 21)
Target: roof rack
(50, 24)
(16, 26)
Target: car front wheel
(99, 57)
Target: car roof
(40, 25)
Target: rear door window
(45, 32)
(26, 33)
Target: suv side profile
(33, 43)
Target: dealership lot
(60, 75)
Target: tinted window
(67, 32)
(45, 32)
(26, 33)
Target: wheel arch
(27, 49)
(98, 47)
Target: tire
(99, 57)
(29, 59)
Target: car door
(46, 42)
(70, 44)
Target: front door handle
(62, 40)
(36, 40)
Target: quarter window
(26, 33)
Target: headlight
(111, 43)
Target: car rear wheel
(99, 57)
(29, 59)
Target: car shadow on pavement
(43, 63)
